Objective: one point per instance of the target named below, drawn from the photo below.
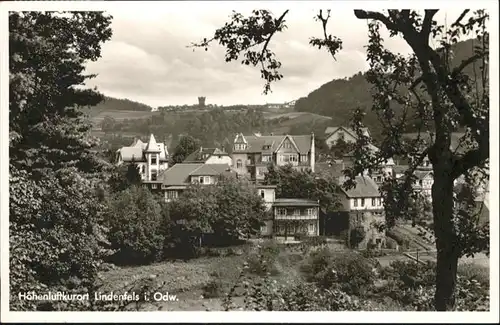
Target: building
(209, 156)
(151, 158)
(253, 153)
(177, 178)
(336, 134)
(201, 102)
(295, 218)
(364, 207)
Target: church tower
(152, 154)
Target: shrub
(214, 288)
(136, 227)
(264, 260)
(315, 241)
(350, 272)
(357, 236)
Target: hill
(116, 104)
(339, 97)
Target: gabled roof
(332, 129)
(256, 143)
(421, 174)
(365, 188)
(200, 153)
(179, 173)
(135, 152)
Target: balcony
(295, 217)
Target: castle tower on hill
(201, 101)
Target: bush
(349, 272)
(137, 228)
(265, 259)
(214, 288)
(315, 241)
(357, 236)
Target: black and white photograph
(219, 156)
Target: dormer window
(153, 160)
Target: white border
(245, 317)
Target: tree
(48, 52)
(186, 146)
(212, 209)
(303, 184)
(446, 100)
(56, 233)
(136, 225)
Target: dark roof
(256, 143)
(330, 169)
(295, 202)
(365, 187)
(179, 173)
(199, 154)
(332, 129)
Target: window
(310, 212)
(153, 175)
(355, 202)
(262, 193)
(142, 169)
(312, 228)
(296, 212)
(200, 179)
(420, 182)
(153, 160)
(239, 163)
(171, 195)
(154, 186)
(303, 158)
(282, 212)
(374, 202)
(294, 158)
(287, 145)
(341, 135)
(206, 179)
(363, 202)
(281, 228)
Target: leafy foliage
(349, 272)
(56, 233)
(186, 146)
(211, 209)
(136, 226)
(448, 100)
(303, 184)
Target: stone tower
(201, 101)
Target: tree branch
(459, 19)
(467, 62)
(362, 14)
(473, 158)
(427, 23)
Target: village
(361, 206)
(294, 183)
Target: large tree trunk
(447, 254)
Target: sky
(148, 59)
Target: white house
(150, 158)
